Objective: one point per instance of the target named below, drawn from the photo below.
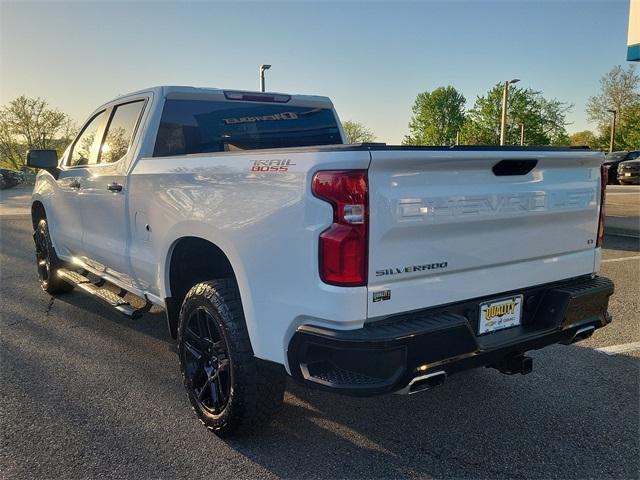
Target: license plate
(499, 314)
(627, 174)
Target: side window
(85, 148)
(120, 131)
(633, 155)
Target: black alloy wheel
(206, 360)
(230, 390)
(43, 256)
(47, 262)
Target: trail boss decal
(271, 165)
(410, 269)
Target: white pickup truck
(275, 248)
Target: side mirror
(45, 159)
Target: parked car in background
(10, 178)
(629, 171)
(613, 160)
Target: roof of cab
(181, 91)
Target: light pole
(262, 69)
(522, 134)
(505, 102)
(613, 129)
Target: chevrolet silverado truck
(275, 248)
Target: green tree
(619, 91)
(629, 133)
(437, 117)
(544, 119)
(584, 138)
(29, 123)
(357, 133)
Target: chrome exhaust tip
(424, 382)
(583, 333)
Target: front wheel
(48, 262)
(229, 389)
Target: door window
(120, 131)
(85, 148)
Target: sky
(372, 58)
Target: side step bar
(97, 290)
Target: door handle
(114, 187)
(75, 184)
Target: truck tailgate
(444, 227)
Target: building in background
(633, 44)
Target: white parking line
(621, 259)
(616, 349)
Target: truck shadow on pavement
(566, 419)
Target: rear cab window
(202, 126)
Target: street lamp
(505, 101)
(613, 129)
(262, 69)
(522, 134)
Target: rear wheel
(229, 389)
(48, 262)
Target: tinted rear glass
(615, 156)
(198, 126)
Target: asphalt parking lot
(86, 393)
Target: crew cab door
(103, 196)
(65, 216)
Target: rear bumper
(632, 179)
(385, 356)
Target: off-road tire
(256, 389)
(47, 262)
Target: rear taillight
(343, 246)
(604, 179)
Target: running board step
(112, 299)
